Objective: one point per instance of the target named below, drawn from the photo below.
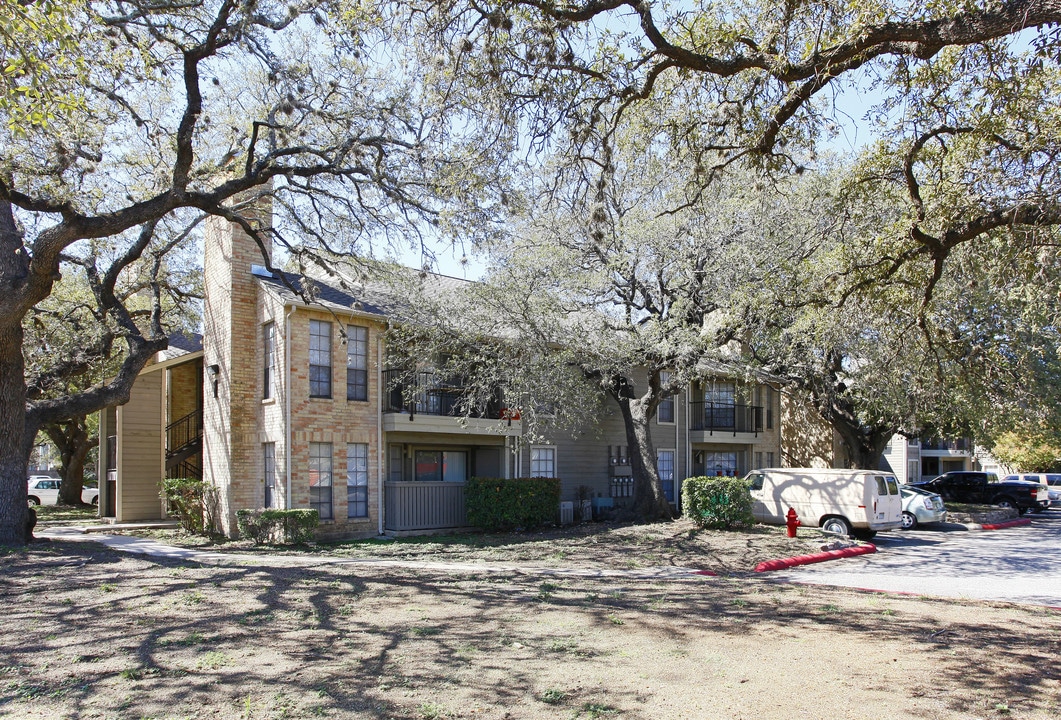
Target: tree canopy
(188, 109)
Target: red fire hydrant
(792, 521)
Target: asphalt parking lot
(1020, 564)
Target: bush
(193, 501)
(283, 527)
(717, 502)
(499, 504)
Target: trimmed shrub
(282, 527)
(499, 504)
(717, 502)
(193, 501)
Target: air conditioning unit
(567, 513)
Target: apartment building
(286, 403)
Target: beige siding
(141, 451)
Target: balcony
(710, 420)
(953, 446)
(430, 402)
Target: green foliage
(1028, 451)
(717, 502)
(500, 504)
(283, 527)
(193, 501)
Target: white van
(845, 502)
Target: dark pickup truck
(966, 486)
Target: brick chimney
(231, 349)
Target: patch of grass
(546, 590)
(553, 697)
(212, 660)
(131, 674)
(426, 630)
(831, 608)
(193, 638)
(560, 645)
(595, 710)
(432, 711)
(193, 597)
(108, 587)
(615, 619)
(256, 616)
(67, 513)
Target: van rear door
(887, 505)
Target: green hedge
(717, 502)
(499, 504)
(283, 527)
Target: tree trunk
(865, 445)
(73, 441)
(14, 450)
(14, 454)
(650, 502)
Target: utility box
(567, 513)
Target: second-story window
(665, 411)
(320, 359)
(268, 360)
(356, 363)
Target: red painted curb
(783, 563)
(1007, 524)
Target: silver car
(921, 506)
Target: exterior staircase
(184, 440)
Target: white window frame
(357, 455)
(357, 360)
(269, 473)
(537, 461)
(268, 360)
(322, 355)
(322, 461)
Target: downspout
(287, 402)
(379, 428)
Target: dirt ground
(91, 633)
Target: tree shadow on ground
(90, 631)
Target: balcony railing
(953, 445)
(725, 417)
(428, 393)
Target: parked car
(44, 490)
(921, 507)
(967, 486)
(1053, 485)
(845, 502)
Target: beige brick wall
(334, 420)
(239, 421)
(185, 395)
(231, 451)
